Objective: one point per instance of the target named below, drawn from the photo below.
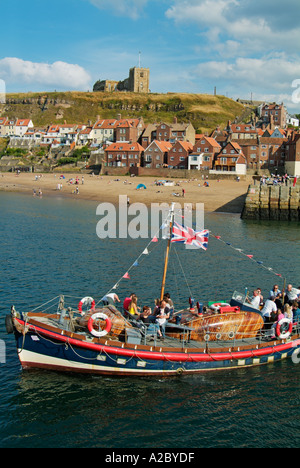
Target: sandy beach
(222, 196)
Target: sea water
(50, 247)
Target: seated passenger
(170, 303)
(133, 308)
(162, 315)
(296, 312)
(291, 295)
(288, 313)
(255, 301)
(147, 318)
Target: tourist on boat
(147, 318)
(110, 299)
(277, 294)
(288, 313)
(296, 312)
(260, 296)
(127, 302)
(269, 307)
(255, 300)
(146, 313)
(274, 319)
(170, 303)
(291, 295)
(133, 307)
(162, 315)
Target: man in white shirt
(255, 301)
(269, 307)
(291, 294)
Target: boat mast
(167, 253)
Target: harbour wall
(272, 202)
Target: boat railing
(183, 334)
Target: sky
(244, 48)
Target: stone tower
(139, 80)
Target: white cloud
(275, 73)
(59, 75)
(255, 25)
(268, 78)
(130, 8)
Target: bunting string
(249, 256)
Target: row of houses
(259, 144)
(206, 154)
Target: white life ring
(282, 335)
(216, 306)
(101, 333)
(86, 300)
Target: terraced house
(209, 147)
(156, 155)
(178, 155)
(123, 154)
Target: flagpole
(167, 254)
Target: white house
(292, 120)
(195, 161)
(21, 126)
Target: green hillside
(204, 111)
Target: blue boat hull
(38, 351)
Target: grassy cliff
(204, 111)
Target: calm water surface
(49, 247)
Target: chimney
(175, 120)
(119, 117)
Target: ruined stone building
(137, 82)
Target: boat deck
(170, 342)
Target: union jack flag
(189, 237)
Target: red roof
(122, 146)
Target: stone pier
(272, 202)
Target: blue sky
(239, 46)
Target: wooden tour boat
(103, 340)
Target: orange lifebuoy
(283, 334)
(101, 333)
(85, 301)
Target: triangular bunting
(154, 239)
(145, 252)
(250, 256)
(126, 276)
(136, 263)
